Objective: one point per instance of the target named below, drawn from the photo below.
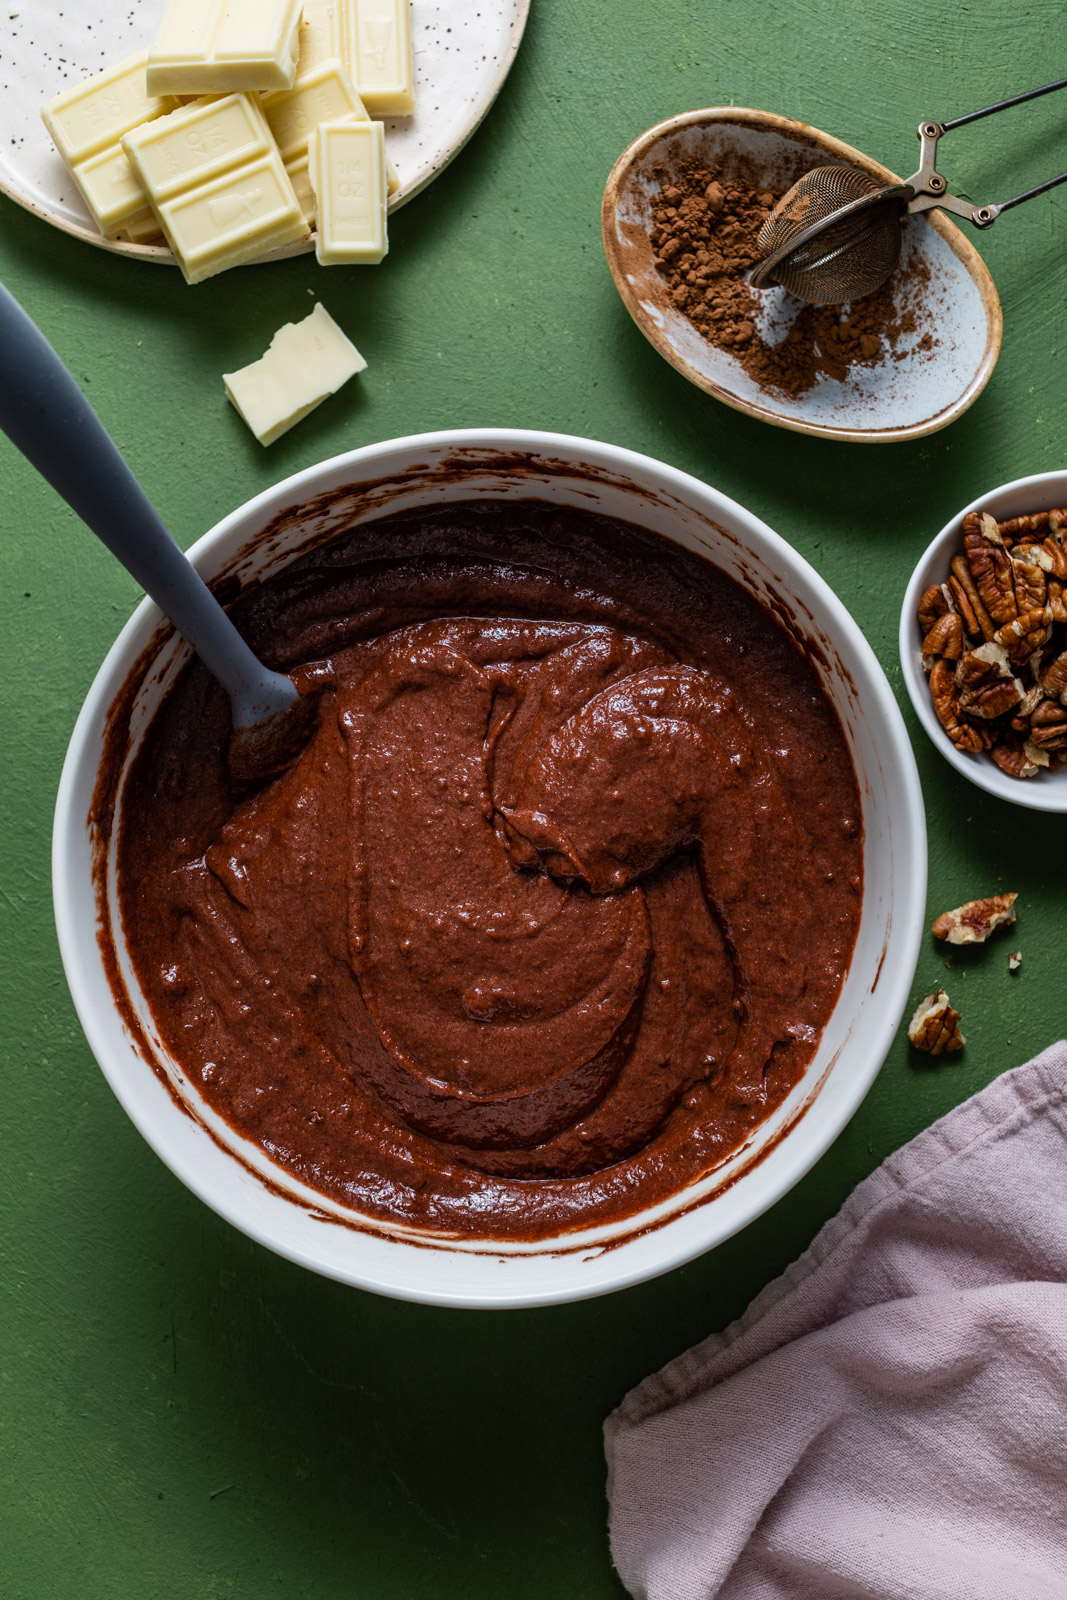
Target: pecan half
(1013, 760)
(987, 686)
(1028, 577)
(1030, 631)
(946, 700)
(945, 638)
(1019, 527)
(990, 566)
(973, 922)
(1048, 727)
(935, 1027)
(1053, 678)
(935, 603)
(969, 601)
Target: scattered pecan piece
(987, 685)
(935, 1027)
(945, 638)
(1015, 961)
(973, 922)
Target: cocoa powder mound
(704, 233)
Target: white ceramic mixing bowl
(224, 1169)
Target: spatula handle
(46, 416)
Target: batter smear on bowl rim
(552, 910)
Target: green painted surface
(181, 1413)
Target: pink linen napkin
(889, 1418)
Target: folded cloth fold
(888, 1420)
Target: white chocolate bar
(377, 44)
(306, 362)
(325, 93)
(215, 179)
(234, 219)
(197, 142)
(346, 161)
(87, 123)
(212, 46)
(92, 116)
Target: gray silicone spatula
(46, 415)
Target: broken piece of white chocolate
(213, 175)
(214, 46)
(307, 361)
(346, 161)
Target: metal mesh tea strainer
(836, 234)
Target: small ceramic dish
(462, 57)
(1048, 790)
(913, 390)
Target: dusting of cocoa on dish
(704, 235)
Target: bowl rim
(957, 242)
(1045, 792)
(685, 1234)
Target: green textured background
(182, 1414)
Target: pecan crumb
(1015, 961)
(973, 922)
(935, 1027)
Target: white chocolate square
(377, 35)
(322, 95)
(142, 228)
(347, 165)
(196, 143)
(234, 219)
(321, 35)
(300, 179)
(211, 46)
(111, 189)
(92, 116)
(306, 362)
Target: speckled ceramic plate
(463, 53)
(931, 375)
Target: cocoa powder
(704, 233)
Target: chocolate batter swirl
(552, 909)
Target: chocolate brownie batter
(551, 910)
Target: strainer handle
(931, 188)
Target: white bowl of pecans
(983, 641)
